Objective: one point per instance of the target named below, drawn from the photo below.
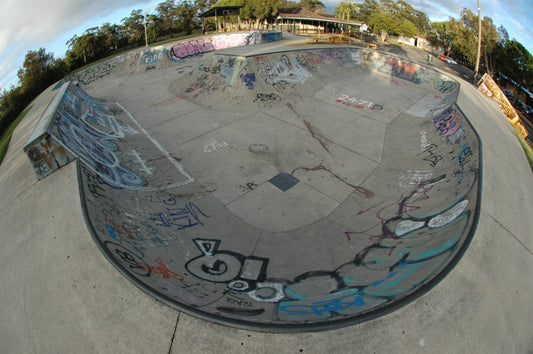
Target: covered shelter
(298, 19)
(223, 11)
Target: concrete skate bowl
(293, 191)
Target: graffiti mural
(392, 238)
(96, 133)
(98, 71)
(194, 47)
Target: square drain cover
(284, 181)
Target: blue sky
(32, 24)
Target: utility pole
(478, 40)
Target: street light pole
(145, 32)
(478, 40)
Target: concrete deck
(60, 293)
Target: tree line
(459, 36)
(173, 18)
(499, 53)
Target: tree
(114, 36)
(204, 5)
(12, 102)
(498, 52)
(419, 19)
(517, 63)
(490, 44)
(407, 29)
(268, 9)
(87, 48)
(383, 23)
(312, 4)
(153, 28)
(134, 27)
(366, 9)
(247, 13)
(504, 35)
(347, 10)
(465, 39)
(167, 16)
(38, 71)
(444, 33)
(186, 13)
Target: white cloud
(31, 24)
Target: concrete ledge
(45, 153)
(336, 38)
(271, 36)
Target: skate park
(275, 187)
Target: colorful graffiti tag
(169, 233)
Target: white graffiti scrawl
(285, 71)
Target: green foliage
(134, 27)
(6, 137)
(266, 10)
(186, 13)
(419, 19)
(517, 63)
(312, 4)
(12, 102)
(167, 17)
(383, 23)
(527, 150)
(203, 5)
(39, 71)
(393, 17)
(367, 8)
(347, 10)
(498, 53)
(407, 29)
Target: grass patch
(6, 138)
(528, 150)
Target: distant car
(447, 59)
(528, 110)
(451, 61)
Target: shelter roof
(299, 13)
(221, 10)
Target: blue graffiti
(248, 80)
(332, 303)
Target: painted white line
(141, 162)
(172, 160)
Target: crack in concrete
(509, 231)
(365, 192)
(315, 132)
(174, 334)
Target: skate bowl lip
(297, 327)
(288, 327)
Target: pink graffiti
(198, 46)
(231, 40)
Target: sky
(32, 24)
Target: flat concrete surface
(60, 294)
